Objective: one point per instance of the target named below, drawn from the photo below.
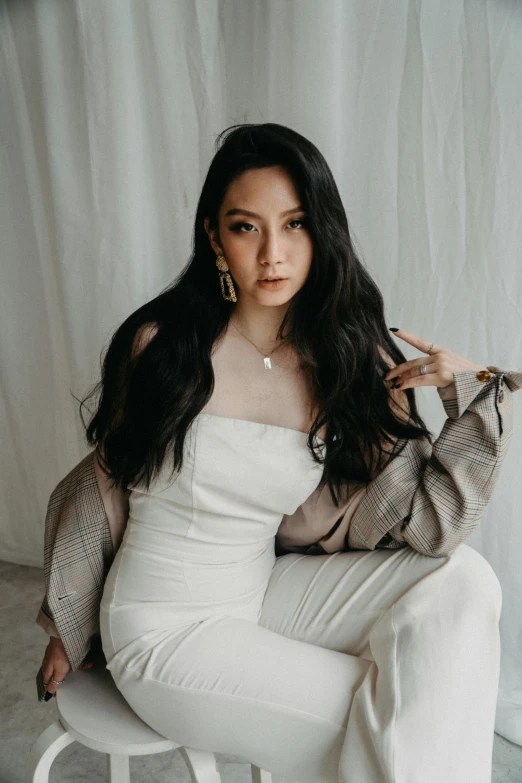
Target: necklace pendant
(268, 363)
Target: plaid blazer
(429, 497)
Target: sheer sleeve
(115, 502)
(318, 526)
(45, 621)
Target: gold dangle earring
(225, 276)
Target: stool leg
(118, 768)
(201, 765)
(44, 751)
(260, 775)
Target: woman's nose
(271, 251)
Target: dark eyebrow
(236, 211)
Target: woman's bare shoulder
(143, 337)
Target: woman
(263, 375)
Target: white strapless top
(238, 479)
(201, 543)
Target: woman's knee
(475, 578)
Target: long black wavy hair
(148, 398)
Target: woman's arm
(116, 504)
(318, 526)
(115, 501)
(44, 620)
(432, 497)
(427, 497)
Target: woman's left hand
(441, 363)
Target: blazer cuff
(47, 624)
(468, 387)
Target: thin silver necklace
(266, 358)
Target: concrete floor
(23, 718)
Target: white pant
(364, 667)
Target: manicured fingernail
(393, 329)
(48, 696)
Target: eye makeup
(238, 226)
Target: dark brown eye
(237, 227)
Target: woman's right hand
(56, 664)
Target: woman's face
(262, 234)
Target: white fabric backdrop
(109, 115)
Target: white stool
(92, 711)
